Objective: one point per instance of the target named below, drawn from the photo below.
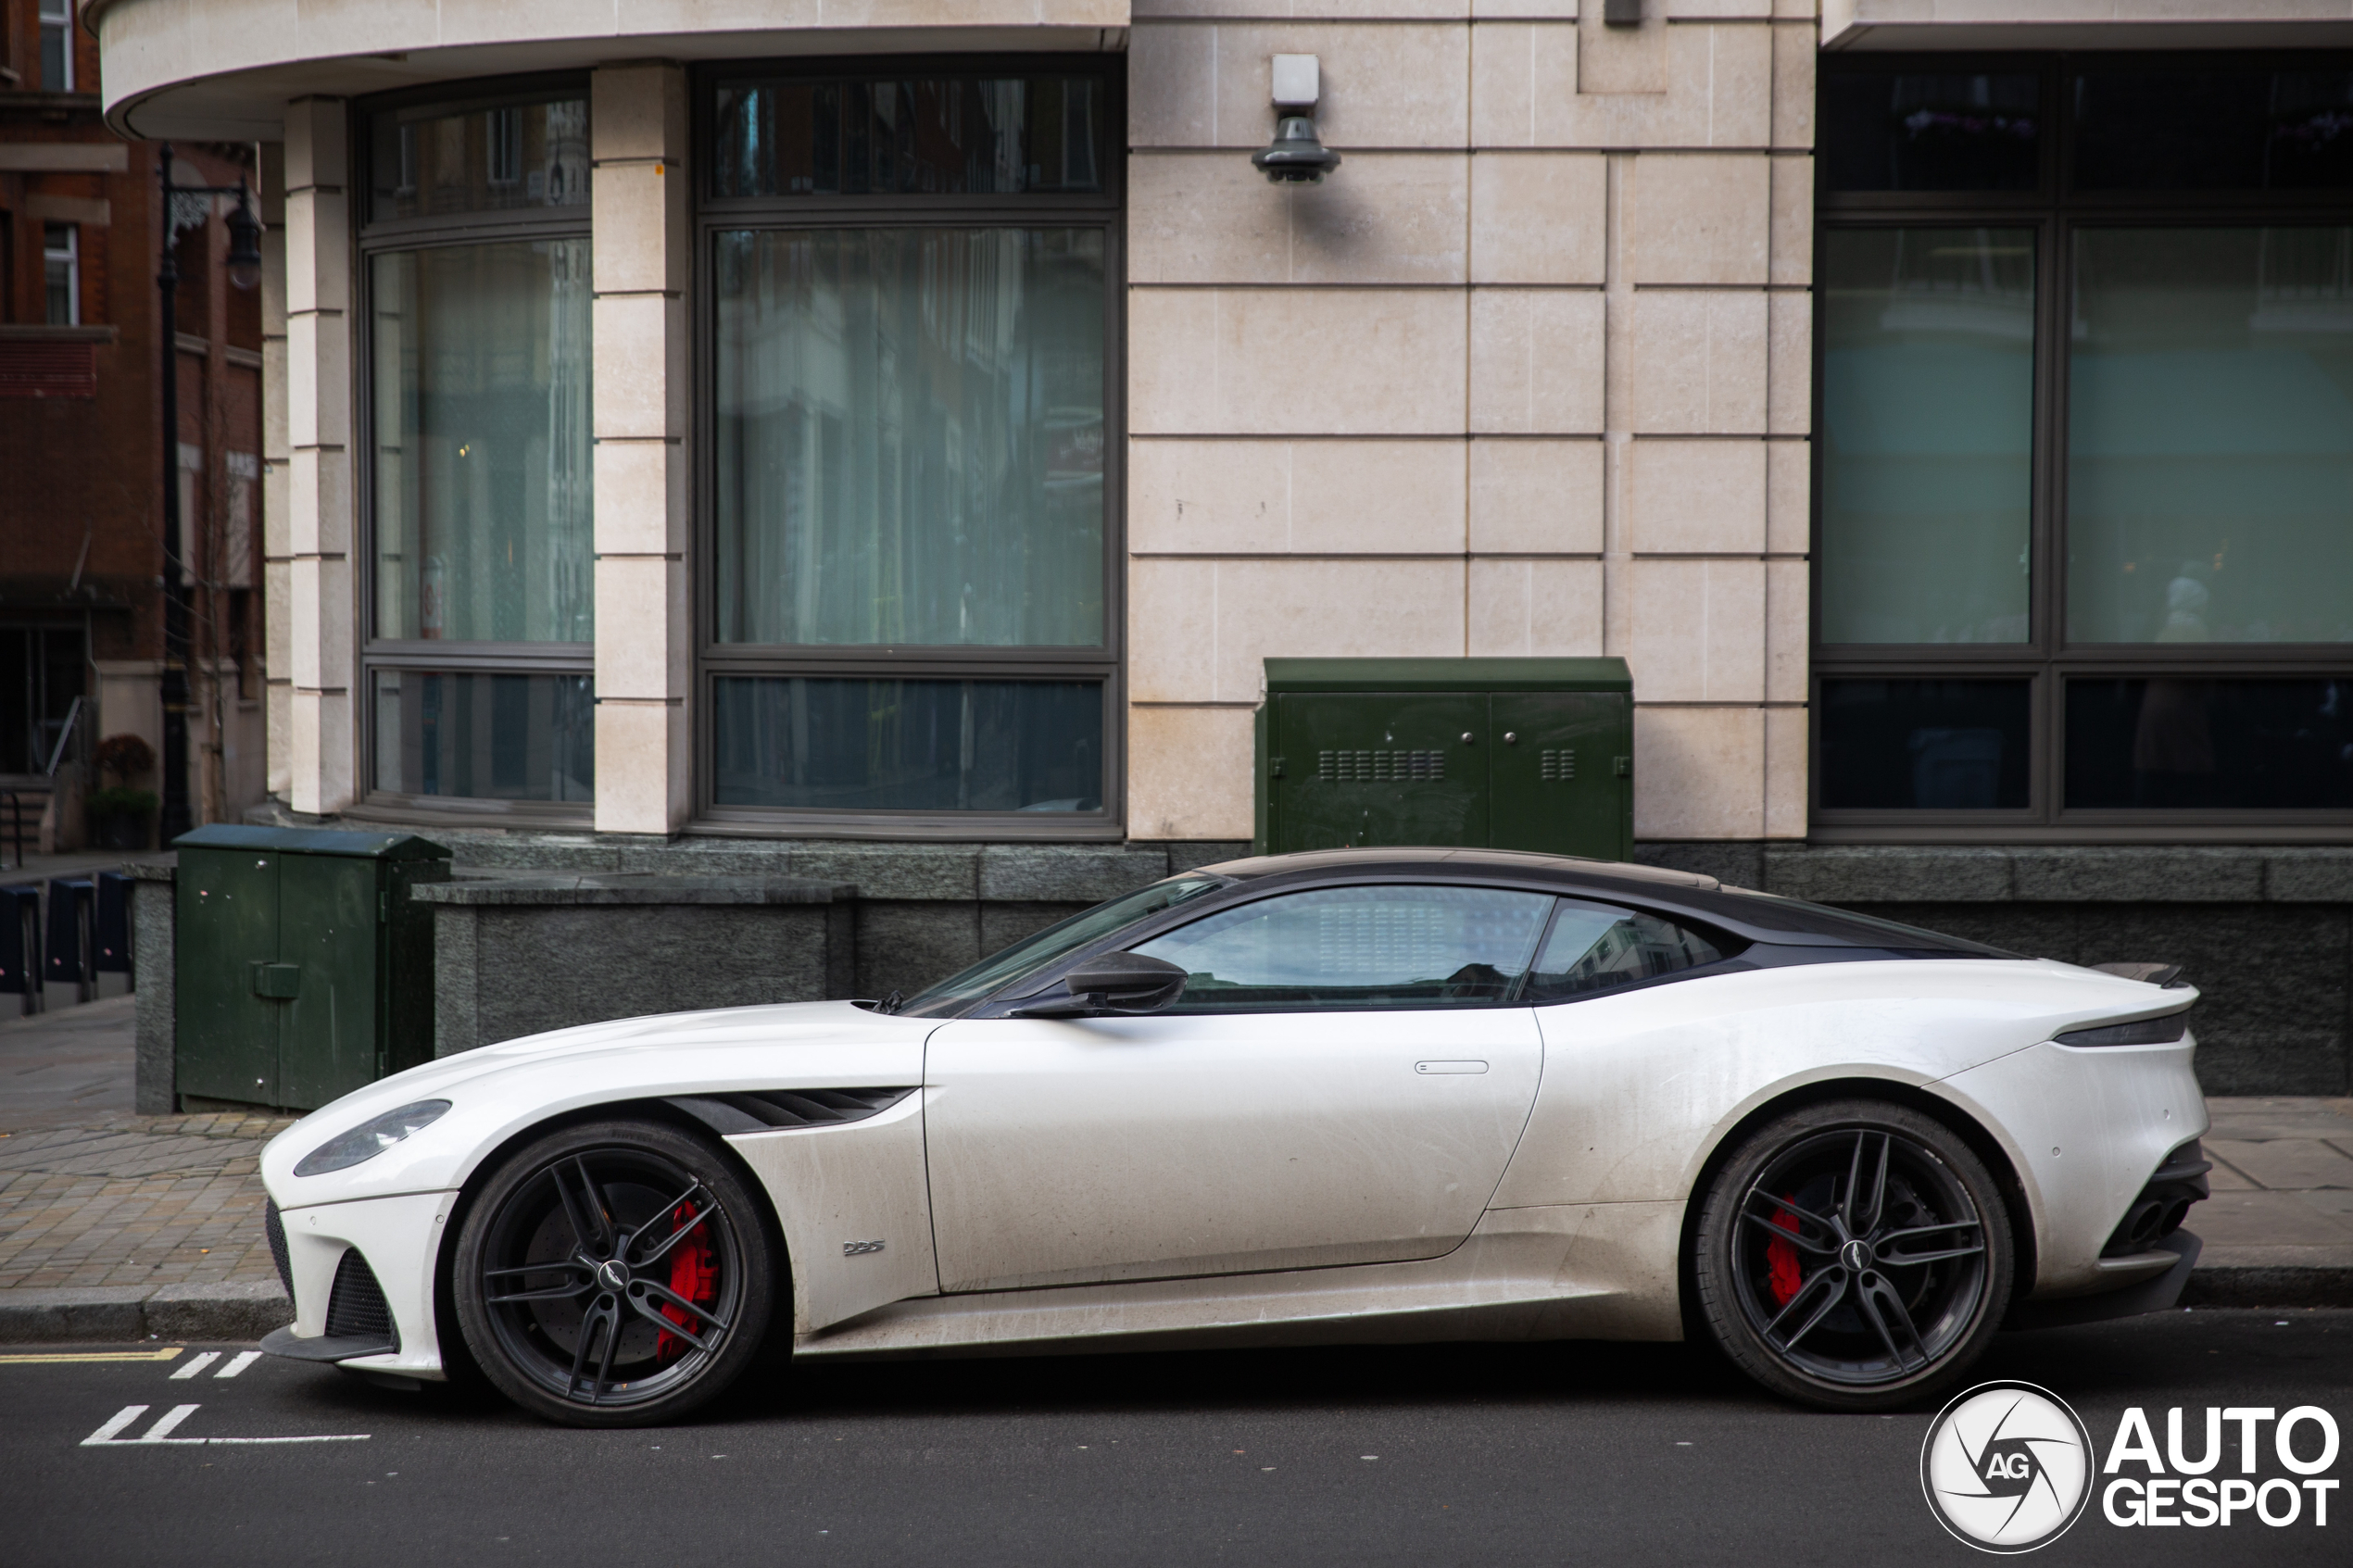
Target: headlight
(369, 1139)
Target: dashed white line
(161, 1430)
(109, 1435)
(196, 1364)
(243, 1360)
(115, 1424)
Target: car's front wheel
(1853, 1255)
(614, 1274)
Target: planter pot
(122, 830)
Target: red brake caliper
(1782, 1258)
(694, 1274)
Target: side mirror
(1115, 982)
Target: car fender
(1640, 1088)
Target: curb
(116, 1314)
(2235, 1285)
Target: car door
(1342, 1081)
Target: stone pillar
(154, 1020)
(645, 625)
(321, 616)
(277, 551)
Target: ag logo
(2007, 1467)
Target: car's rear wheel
(614, 1274)
(1854, 1255)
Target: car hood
(499, 1091)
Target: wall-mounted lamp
(1295, 157)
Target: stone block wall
(1529, 375)
(2265, 934)
(919, 911)
(516, 956)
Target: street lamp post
(245, 272)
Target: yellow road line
(55, 1357)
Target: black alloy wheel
(1853, 1255)
(614, 1274)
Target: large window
(2084, 447)
(477, 275)
(909, 620)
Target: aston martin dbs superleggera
(1378, 1095)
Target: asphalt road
(1431, 1455)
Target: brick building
(83, 600)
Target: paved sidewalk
(113, 1224)
(117, 1225)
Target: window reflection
(910, 433)
(1924, 746)
(1928, 404)
(948, 136)
(2187, 744)
(438, 160)
(1357, 947)
(909, 746)
(1913, 130)
(484, 505)
(2209, 129)
(499, 737)
(2210, 436)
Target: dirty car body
(1366, 1095)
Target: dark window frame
(2054, 211)
(370, 238)
(1105, 662)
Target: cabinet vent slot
(1558, 766)
(1379, 767)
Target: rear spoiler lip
(2167, 975)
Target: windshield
(1000, 969)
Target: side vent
(273, 1225)
(770, 1109)
(356, 1309)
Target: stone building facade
(1539, 371)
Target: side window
(1595, 947)
(1357, 948)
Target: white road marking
(107, 1436)
(115, 1424)
(196, 1364)
(243, 1360)
(161, 1430)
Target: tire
(572, 1338)
(1784, 1291)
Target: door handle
(1448, 1068)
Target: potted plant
(119, 813)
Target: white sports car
(1379, 1094)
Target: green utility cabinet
(1505, 753)
(303, 968)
